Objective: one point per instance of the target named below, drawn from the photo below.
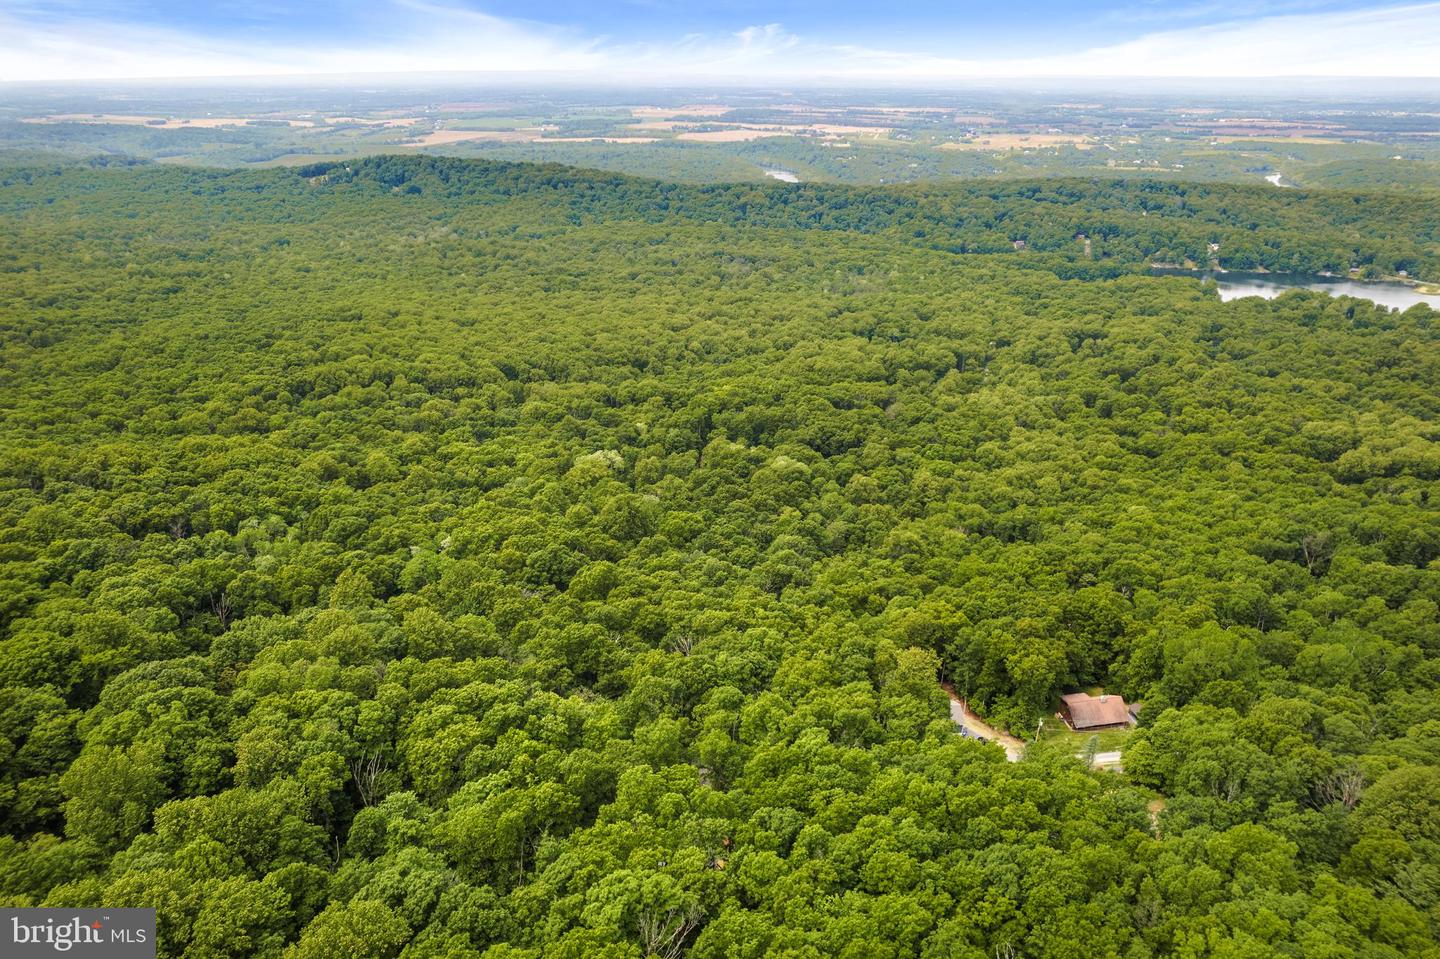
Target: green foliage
(549, 563)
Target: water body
(784, 175)
(1234, 284)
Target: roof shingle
(1088, 711)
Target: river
(1233, 285)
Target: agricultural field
(856, 138)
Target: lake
(1234, 284)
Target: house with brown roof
(1083, 712)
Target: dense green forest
(424, 558)
(1128, 223)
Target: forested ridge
(431, 558)
(1129, 223)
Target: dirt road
(966, 719)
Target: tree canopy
(428, 558)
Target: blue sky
(783, 40)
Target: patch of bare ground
(1020, 141)
(690, 110)
(437, 138)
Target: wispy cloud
(432, 37)
(1401, 41)
(1396, 41)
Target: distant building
(1019, 244)
(1082, 711)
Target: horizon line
(587, 77)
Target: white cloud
(1387, 42)
(1400, 41)
(438, 38)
